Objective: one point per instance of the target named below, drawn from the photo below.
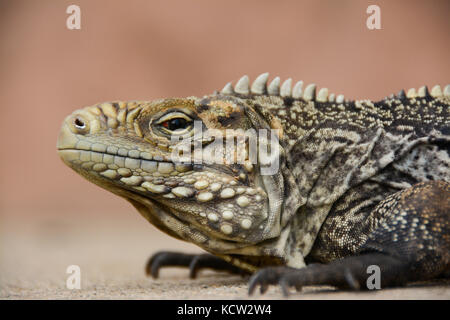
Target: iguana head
(131, 148)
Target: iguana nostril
(79, 123)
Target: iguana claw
(194, 262)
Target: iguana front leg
(411, 243)
(194, 262)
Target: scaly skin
(349, 179)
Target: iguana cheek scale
(348, 171)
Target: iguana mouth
(103, 161)
(136, 174)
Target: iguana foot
(194, 262)
(348, 273)
(268, 276)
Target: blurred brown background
(139, 49)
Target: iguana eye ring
(175, 123)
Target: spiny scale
(275, 88)
(259, 86)
(436, 91)
(285, 90)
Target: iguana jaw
(210, 205)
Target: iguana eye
(175, 122)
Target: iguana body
(359, 182)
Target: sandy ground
(35, 254)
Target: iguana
(359, 183)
